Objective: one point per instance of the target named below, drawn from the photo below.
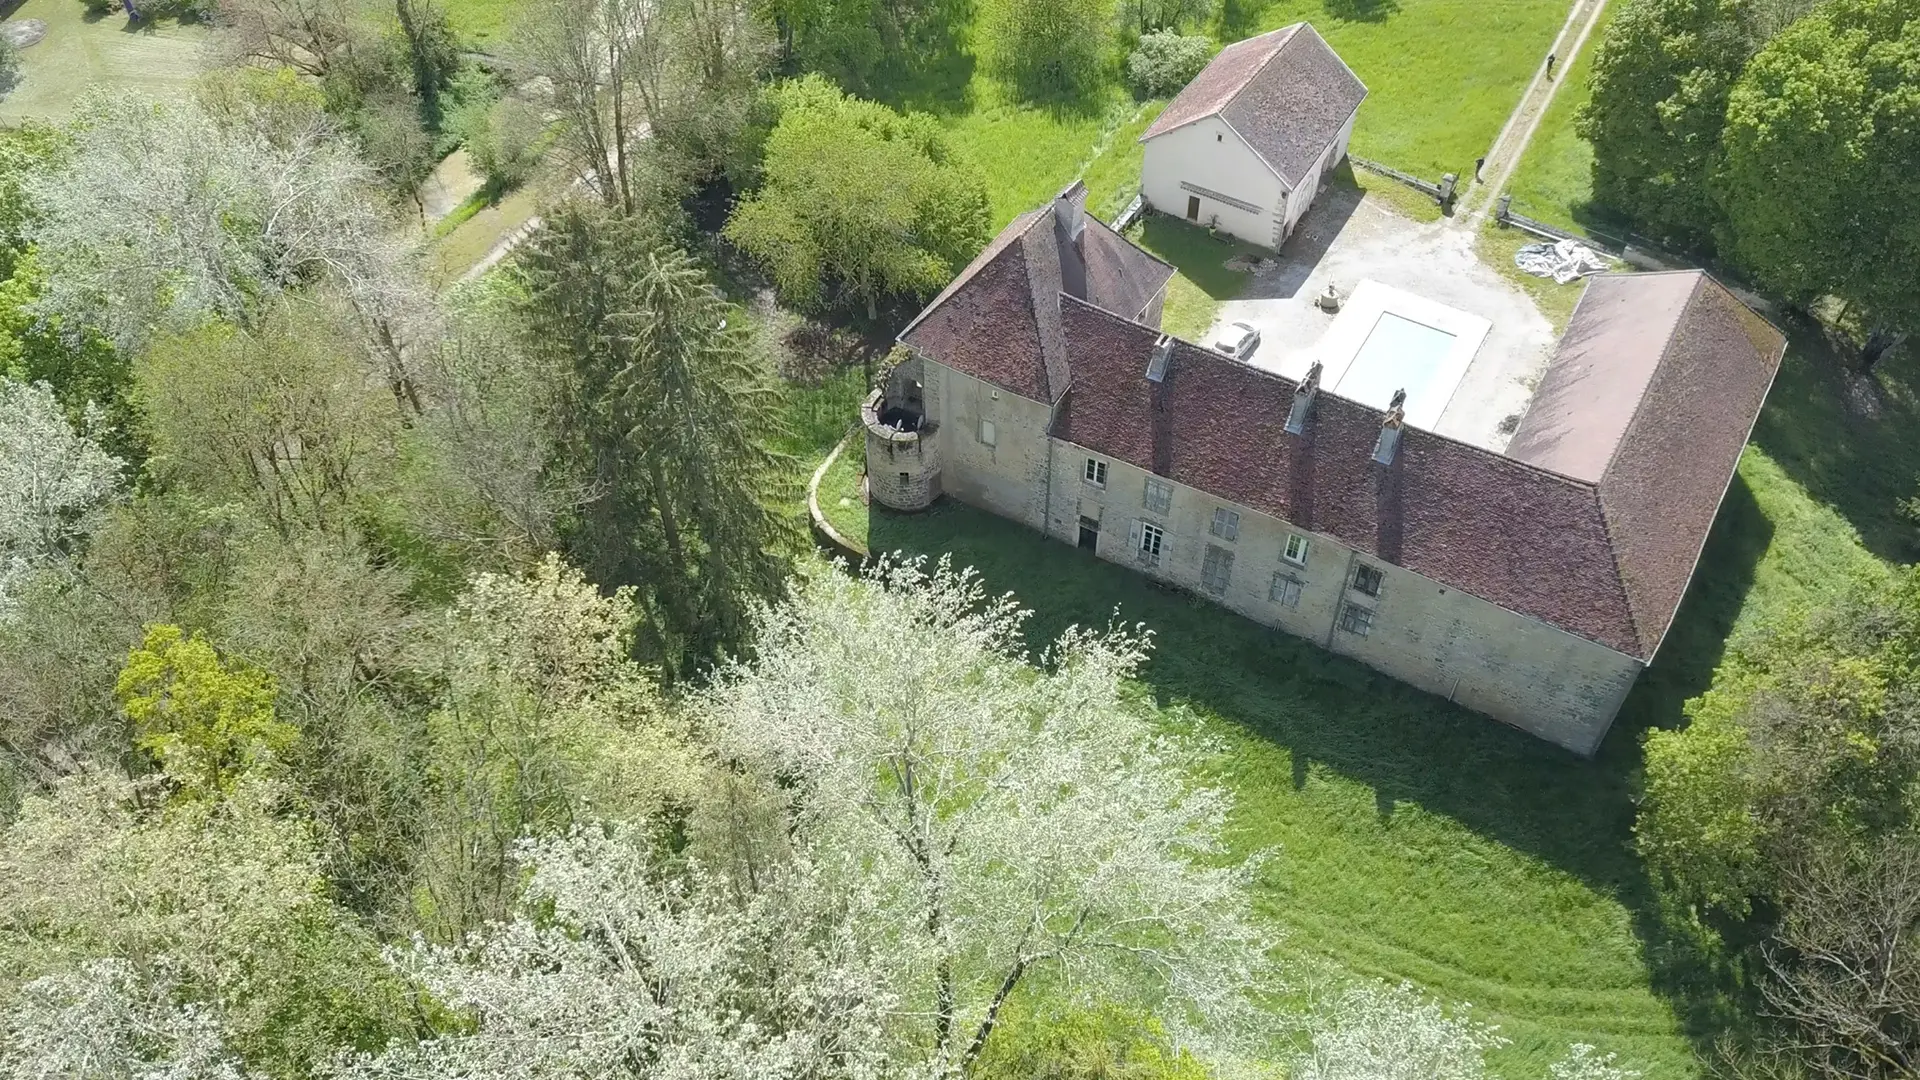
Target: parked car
(1237, 340)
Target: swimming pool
(1399, 354)
(1385, 339)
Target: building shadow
(1333, 208)
(1410, 748)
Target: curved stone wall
(903, 467)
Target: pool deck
(1343, 242)
(1375, 347)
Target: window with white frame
(1285, 589)
(1296, 550)
(1226, 524)
(1216, 569)
(1159, 496)
(1366, 579)
(1149, 542)
(987, 434)
(1096, 472)
(1356, 620)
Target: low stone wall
(831, 539)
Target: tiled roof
(1286, 93)
(1517, 536)
(1670, 470)
(1592, 521)
(1000, 319)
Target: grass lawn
(1113, 175)
(1442, 75)
(1030, 152)
(485, 23)
(1195, 294)
(1555, 179)
(157, 58)
(1422, 842)
(1496, 245)
(459, 249)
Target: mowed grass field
(1555, 179)
(1422, 842)
(157, 58)
(1442, 75)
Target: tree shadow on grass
(1410, 747)
(1848, 439)
(1360, 10)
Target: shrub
(1167, 61)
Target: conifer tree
(669, 412)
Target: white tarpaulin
(1563, 261)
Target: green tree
(1046, 49)
(860, 200)
(204, 721)
(225, 899)
(1659, 99)
(1819, 182)
(671, 413)
(1789, 808)
(280, 418)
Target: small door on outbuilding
(1090, 533)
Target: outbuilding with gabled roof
(1245, 146)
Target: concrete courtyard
(1346, 239)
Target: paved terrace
(1344, 241)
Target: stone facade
(994, 447)
(1517, 669)
(1556, 685)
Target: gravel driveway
(1346, 239)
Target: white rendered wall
(1209, 154)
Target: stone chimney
(1389, 441)
(1070, 212)
(1303, 401)
(1069, 222)
(1158, 358)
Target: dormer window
(1367, 579)
(1296, 550)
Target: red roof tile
(1593, 522)
(1286, 93)
(1514, 535)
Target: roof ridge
(980, 261)
(1293, 31)
(1666, 353)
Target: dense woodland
(411, 682)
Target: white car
(1237, 340)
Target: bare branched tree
(1844, 967)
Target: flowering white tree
(918, 825)
(619, 967)
(53, 481)
(996, 826)
(1373, 1031)
(159, 216)
(105, 1021)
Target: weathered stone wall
(903, 467)
(1008, 477)
(1513, 668)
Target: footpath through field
(1511, 144)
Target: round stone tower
(903, 446)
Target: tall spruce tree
(671, 406)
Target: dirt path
(1511, 145)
